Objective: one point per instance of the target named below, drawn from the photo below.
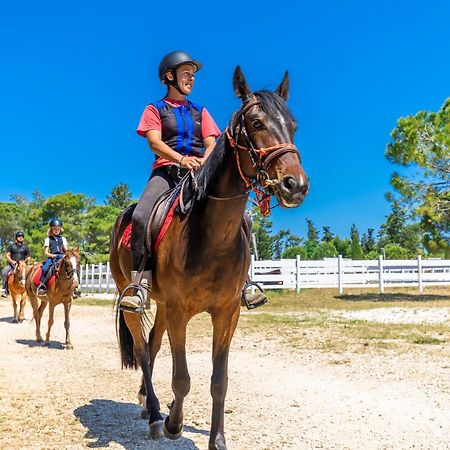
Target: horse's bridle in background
(259, 157)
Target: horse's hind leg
(224, 324)
(67, 306)
(181, 383)
(133, 323)
(50, 323)
(154, 344)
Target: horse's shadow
(54, 345)
(9, 319)
(110, 421)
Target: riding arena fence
(339, 273)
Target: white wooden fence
(296, 274)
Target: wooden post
(340, 274)
(86, 279)
(100, 277)
(81, 278)
(108, 277)
(419, 273)
(298, 273)
(380, 273)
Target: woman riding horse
(203, 259)
(182, 134)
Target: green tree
(368, 242)
(356, 250)
(119, 197)
(343, 246)
(292, 252)
(282, 241)
(262, 228)
(395, 251)
(324, 250)
(422, 142)
(327, 235)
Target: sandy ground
(52, 398)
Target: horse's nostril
(289, 183)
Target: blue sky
(74, 81)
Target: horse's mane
(197, 189)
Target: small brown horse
(61, 291)
(203, 260)
(16, 286)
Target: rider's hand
(191, 162)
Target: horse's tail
(125, 342)
(125, 337)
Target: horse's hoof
(14, 320)
(219, 444)
(21, 320)
(156, 429)
(169, 434)
(46, 344)
(39, 339)
(69, 347)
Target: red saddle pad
(37, 279)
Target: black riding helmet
(170, 62)
(55, 223)
(19, 233)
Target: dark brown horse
(60, 291)
(16, 286)
(203, 260)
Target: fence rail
(296, 274)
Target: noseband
(259, 157)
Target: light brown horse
(61, 291)
(16, 286)
(203, 260)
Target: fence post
(81, 278)
(380, 273)
(92, 277)
(252, 273)
(86, 279)
(298, 273)
(340, 275)
(100, 277)
(419, 273)
(108, 275)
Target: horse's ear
(283, 89)
(77, 250)
(241, 88)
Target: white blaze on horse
(61, 287)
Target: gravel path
(52, 398)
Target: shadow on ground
(393, 297)
(54, 345)
(109, 421)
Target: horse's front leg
(37, 313)
(67, 306)
(23, 301)
(133, 323)
(181, 382)
(14, 298)
(50, 323)
(224, 324)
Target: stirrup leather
(253, 304)
(141, 290)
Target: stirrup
(140, 308)
(256, 303)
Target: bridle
(68, 271)
(260, 157)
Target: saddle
(167, 205)
(49, 278)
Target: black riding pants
(160, 181)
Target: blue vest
(181, 127)
(56, 244)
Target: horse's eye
(257, 123)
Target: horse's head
(21, 271)
(262, 133)
(69, 264)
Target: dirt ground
(278, 397)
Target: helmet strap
(174, 82)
